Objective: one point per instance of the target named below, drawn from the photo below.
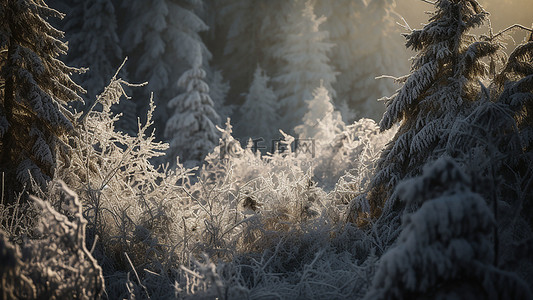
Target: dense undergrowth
(296, 223)
(236, 227)
(243, 225)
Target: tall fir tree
(321, 122)
(91, 29)
(161, 38)
(302, 52)
(382, 53)
(94, 44)
(192, 127)
(367, 45)
(445, 249)
(493, 142)
(443, 85)
(37, 87)
(250, 29)
(240, 21)
(259, 116)
(218, 91)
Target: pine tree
(303, 51)
(192, 128)
(33, 117)
(95, 43)
(367, 45)
(91, 29)
(218, 91)
(251, 29)
(259, 116)
(345, 25)
(321, 122)
(382, 53)
(161, 38)
(514, 85)
(496, 139)
(240, 21)
(443, 85)
(514, 88)
(444, 250)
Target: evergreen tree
(303, 51)
(444, 250)
(515, 87)
(382, 53)
(94, 44)
(495, 140)
(251, 29)
(191, 129)
(37, 87)
(321, 122)
(259, 116)
(240, 21)
(218, 91)
(443, 85)
(161, 38)
(367, 45)
(91, 29)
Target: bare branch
(515, 26)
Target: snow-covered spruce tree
(94, 44)
(36, 89)
(342, 23)
(491, 144)
(161, 38)
(91, 30)
(517, 94)
(367, 45)
(191, 129)
(240, 20)
(495, 141)
(259, 115)
(515, 87)
(321, 122)
(444, 250)
(250, 29)
(382, 53)
(303, 51)
(516, 79)
(441, 88)
(218, 91)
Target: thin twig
(511, 28)
(137, 275)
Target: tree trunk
(7, 152)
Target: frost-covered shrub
(134, 208)
(353, 152)
(14, 283)
(239, 196)
(54, 263)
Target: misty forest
(254, 149)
